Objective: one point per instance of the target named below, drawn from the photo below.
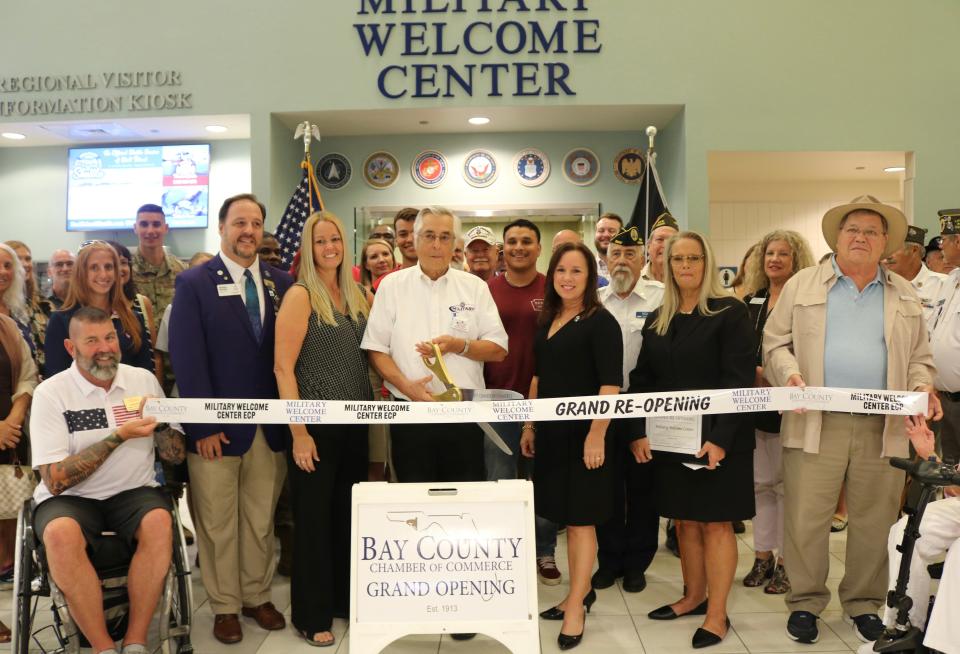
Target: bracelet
(466, 347)
(530, 427)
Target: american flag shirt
(69, 414)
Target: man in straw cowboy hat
(846, 323)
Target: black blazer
(716, 351)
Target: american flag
(121, 414)
(305, 200)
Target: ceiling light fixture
(216, 129)
(894, 169)
(13, 136)
(479, 120)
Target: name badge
(758, 300)
(642, 314)
(226, 290)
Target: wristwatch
(466, 347)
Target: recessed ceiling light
(894, 169)
(13, 136)
(479, 120)
(424, 122)
(216, 129)
(861, 167)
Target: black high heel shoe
(556, 613)
(565, 642)
(666, 612)
(703, 638)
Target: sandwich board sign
(443, 558)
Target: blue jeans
(499, 464)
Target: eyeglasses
(444, 238)
(689, 259)
(855, 232)
(62, 264)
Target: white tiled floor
(617, 623)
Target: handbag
(17, 483)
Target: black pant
(627, 542)
(320, 584)
(440, 452)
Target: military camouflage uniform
(156, 282)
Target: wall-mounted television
(106, 185)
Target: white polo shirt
(631, 312)
(927, 285)
(411, 308)
(69, 414)
(944, 327)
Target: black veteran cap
(915, 235)
(934, 244)
(665, 220)
(949, 221)
(629, 237)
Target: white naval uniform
(412, 308)
(944, 326)
(647, 275)
(939, 530)
(631, 312)
(927, 285)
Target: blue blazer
(215, 353)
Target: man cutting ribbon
(417, 309)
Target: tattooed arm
(77, 467)
(171, 444)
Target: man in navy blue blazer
(221, 346)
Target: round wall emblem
(429, 169)
(380, 170)
(334, 171)
(581, 166)
(480, 168)
(531, 167)
(628, 165)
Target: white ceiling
(445, 120)
(126, 130)
(802, 166)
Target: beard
(622, 280)
(103, 366)
(601, 247)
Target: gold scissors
(436, 365)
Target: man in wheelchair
(939, 532)
(97, 477)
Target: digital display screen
(106, 185)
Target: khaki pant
(850, 449)
(234, 500)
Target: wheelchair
(902, 637)
(32, 582)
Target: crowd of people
(641, 312)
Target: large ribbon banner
(627, 405)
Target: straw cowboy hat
(896, 222)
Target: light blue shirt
(854, 350)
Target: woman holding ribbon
(96, 282)
(318, 357)
(579, 351)
(700, 338)
(778, 256)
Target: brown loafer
(226, 628)
(266, 615)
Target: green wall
(751, 74)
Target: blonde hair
(354, 300)
(80, 294)
(15, 298)
(799, 248)
(710, 288)
(366, 278)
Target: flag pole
(308, 132)
(651, 159)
